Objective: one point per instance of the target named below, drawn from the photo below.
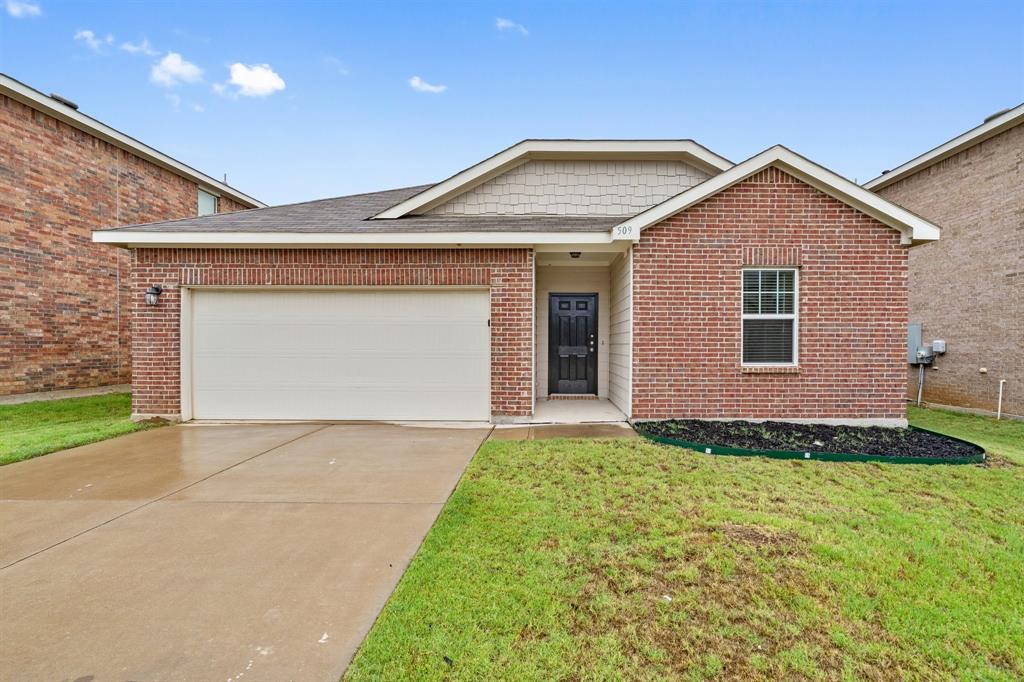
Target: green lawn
(1005, 438)
(33, 429)
(623, 559)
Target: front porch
(582, 327)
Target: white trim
(132, 238)
(913, 227)
(795, 316)
(522, 152)
(972, 137)
(533, 335)
(632, 336)
(186, 328)
(185, 352)
(37, 100)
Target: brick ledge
(770, 370)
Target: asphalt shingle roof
(351, 213)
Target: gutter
(142, 239)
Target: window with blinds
(769, 316)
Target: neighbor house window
(769, 317)
(207, 203)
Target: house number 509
(624, 231)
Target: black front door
(572, 355)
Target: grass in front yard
(623, 559)
(1004, 437)
(33, 429)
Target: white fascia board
(913, 227)
(129, 238)
(972, 137)
(37, 100)
(562, 149)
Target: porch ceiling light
(574, 254)
(153, 294)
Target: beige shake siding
(576, 188)
(621, 332)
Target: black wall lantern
(153, 294)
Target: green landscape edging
(821, 456)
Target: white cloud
(420, 85)
(173, 69)
(337, 65)
(95, 42)
(255, 80)
(509, 25)
(198, 108)
(20, 9)
(139, 48)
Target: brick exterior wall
(968, 287)
(156, 348)
(852, 312)
(63, 321)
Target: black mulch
(860, 440)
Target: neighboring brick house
(968, 288)
(63, 319)
(649, 278)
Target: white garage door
(340, 354)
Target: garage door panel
(305, 403)
(338, 354)
(218, 337)
(327, 371)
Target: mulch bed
(858, 440)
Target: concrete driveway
(214, 552)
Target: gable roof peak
(529, 149)
(913, 227)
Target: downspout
(999, 407)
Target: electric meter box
(913, 341)
(938, 346)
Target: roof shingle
(351, 214)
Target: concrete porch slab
(575, 412)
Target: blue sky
(303, 100)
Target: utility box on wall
(913, 341)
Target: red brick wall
(63, 321)
(852, 315)
(508, 273)
(968, 287)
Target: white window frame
(200, 191)
(795, 316)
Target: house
(652, 278)
(62, 175)
(968, 289)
